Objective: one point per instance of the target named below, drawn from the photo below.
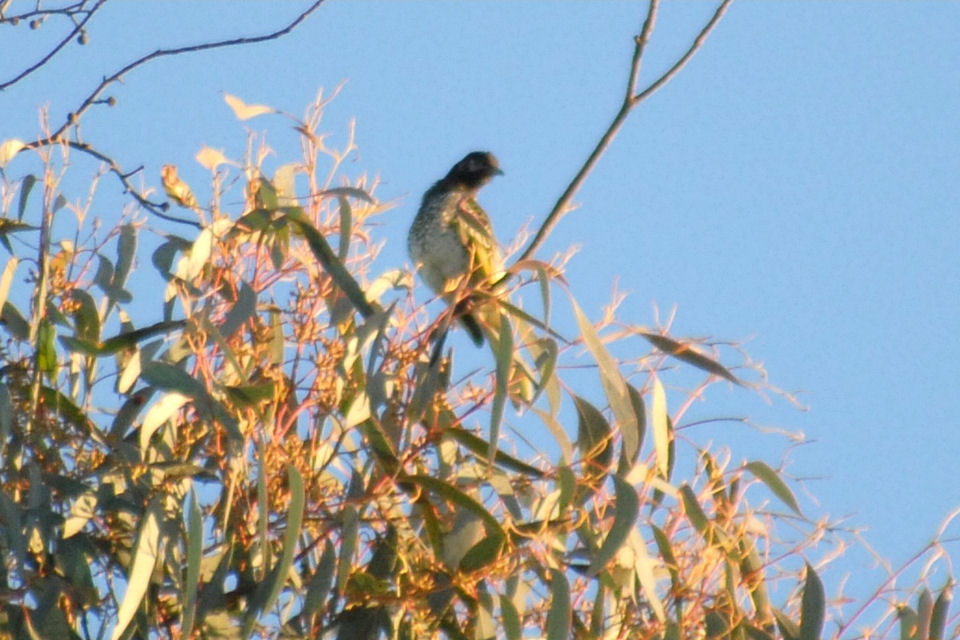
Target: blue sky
(798, 183)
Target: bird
(451, 239)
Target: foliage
(282, 448)
(280, 456)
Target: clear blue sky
(798, 182)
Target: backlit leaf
(627, 505)
(244, 111)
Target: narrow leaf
(612, 381)
(503, 353)
(459, 498)
(145, 555)
(661, 428)
(627, 506)
(691, 507)
(559, 616)
(769, 477)
(687, 352)
(938, 617)
(25, 187)
(194, 556)
(7, 278)
(812, 606)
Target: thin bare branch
(58, 137)
(681, 63)
(630, 101)
(45, 59)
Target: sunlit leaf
(627, 507)
(145, 555)
(614, 386)
(6, 278)
(158, 414)
(210, 158)
(559, 615)
(349, 528)
(83, 508)
(769, 477)
(46, 352)
(244, 111)
(9, 149)
(661, 428)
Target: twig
(45, 59)
(58, 137)
(630, 101)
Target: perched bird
(452, 239)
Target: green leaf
(510, 618)
(331, 264)
(46, 353)
(145, 555)
(812, 606)
(194, 556)
(593, 437)
(559, 615)
(352, 192)
(319, 586)
(126, 250)
(627, 505)
(614, 386)
(173, 378)
(687, 352)
(938, 617)
(909, 623)
(693, 510)
(482, 554)
(459, 498)
(278, 576)
(25, 187)
(788, 628)
(346, 227)
(14, 322)
(86, 317)
(480, 447)
(503, 353)
(242, 310)
(769, 477)
(633, 438)
(349, 529)
(924, 612)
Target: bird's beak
(498, 172)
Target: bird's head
(475, 170)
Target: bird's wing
(476, 232)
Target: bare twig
(59, 136)
(630, 101)
(45, 59)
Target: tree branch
(58, 136)
(45, 59)
(630, 101)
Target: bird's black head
(475, 170)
